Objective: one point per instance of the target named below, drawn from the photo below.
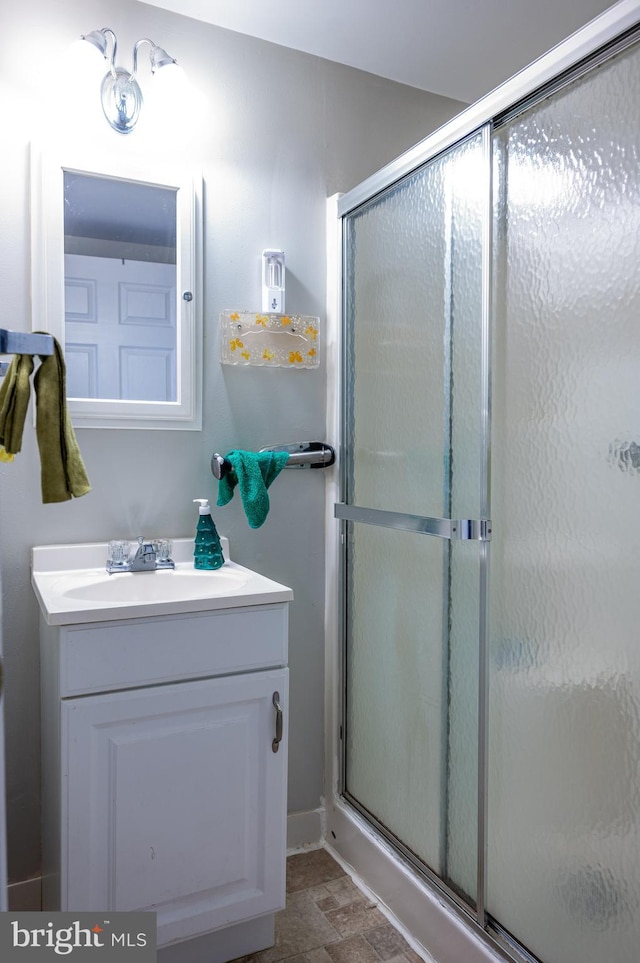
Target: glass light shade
(169, 84)
(84, 62)
(98, 39)
(167, 97)
(160, 58)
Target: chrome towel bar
(306, 454)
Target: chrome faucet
(143, 559)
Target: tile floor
(328, 920)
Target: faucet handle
(163, 548)
(118, 551)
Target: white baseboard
(26, 896)
(305, 830)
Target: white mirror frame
(47, 285)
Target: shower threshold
(437, 922)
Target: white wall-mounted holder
(273, 281)
(269, 340)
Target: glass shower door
(414, 460)
(564, 711)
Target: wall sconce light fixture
(120, 91)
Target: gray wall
(283, 131)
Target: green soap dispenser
(207, 550)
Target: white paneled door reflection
(120, 328)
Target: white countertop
(72, 585)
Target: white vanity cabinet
(162, 790)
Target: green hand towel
(252, 472)
(63, 474)
(14, 400)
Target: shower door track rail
(454, 899)
(493, 935)
(464, 529)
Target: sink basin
(72, 585)
(154, 586)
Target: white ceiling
(458, 48)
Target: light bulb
(170, 82)
(167, 96)
(85, 62)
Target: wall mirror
(116, 278)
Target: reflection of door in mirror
(120, 288)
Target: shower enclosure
(490, 506)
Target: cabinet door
(175, 802)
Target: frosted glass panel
(403, 273)
(395, 684)
(564, 792)
(462, 737)
(414, 286)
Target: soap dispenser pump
(207, 550)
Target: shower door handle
(464, 529)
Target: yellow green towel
(252, 472)
(14, 400)
(62, 475)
